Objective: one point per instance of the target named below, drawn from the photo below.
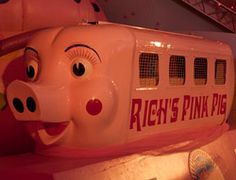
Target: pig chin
(48, 133)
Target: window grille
(177, 70)
(220, 71)
(200, 71)
(148, 69)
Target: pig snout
(19, 106)
(30, 102)
(22, 101)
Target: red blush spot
(94, 106)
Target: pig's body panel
(168, 107)
(108, 101)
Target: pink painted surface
(21, 15)
(84, 96)
(163, 143)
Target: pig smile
(47, 132)
(54, 129)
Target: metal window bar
(220, 72)
(177, 70)
(148, 69)
(200, 71)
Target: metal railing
(216, 11)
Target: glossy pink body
(22, 15)
(84, 87)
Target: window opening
(200, 71)
(220, 71)
(148, 69)
(177, 70)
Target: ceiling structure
(229, 3)
(219, 13)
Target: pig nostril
(18, 105)
(30, 103)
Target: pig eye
(78, 69)
(32, 70)
(81, 67)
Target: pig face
(68, 100)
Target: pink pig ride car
(93, 87)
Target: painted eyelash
(83, 53)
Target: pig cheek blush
(94, 106)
